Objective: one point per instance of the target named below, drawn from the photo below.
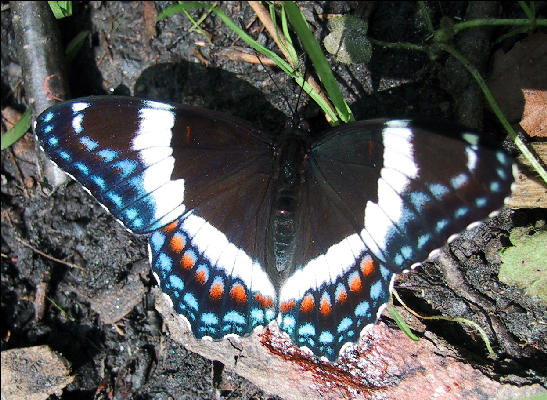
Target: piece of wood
(530, 191)
(33, 373)
(385, 364)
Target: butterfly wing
(183, 175)
(380, 196)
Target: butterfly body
(287, 181)
(244, 230)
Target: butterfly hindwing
(225, 295)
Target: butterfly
(245, 229)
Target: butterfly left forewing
(104, 144)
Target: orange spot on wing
(341, 296)
(188, 134)
(324, 306)
(177, 243)
(370, 149)
(265, 302)
(238, 293)
(367, 266)
(201, 276)
(355, 283)
(307, 303)
(287, 305)
(216, 291)
(188, 260)
(171, 227)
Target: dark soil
(133, 358)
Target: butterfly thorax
(281, 237)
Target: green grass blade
(60, 9)
(319, 61)
(402, 324)
(289, 47)
(75, 45)
(17, 131)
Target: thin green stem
(529, 11)
(496, 109)
(400, 45)
(455, 319)
(511, 33)
(196, 24)
(426, 16)
(58, 307)
(481, 22)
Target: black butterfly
(244, 230)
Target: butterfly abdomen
(281, 238)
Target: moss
(525, 263)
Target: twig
(40, 52)
(19, 172)
(399, 45)
(236, 54)
(264, 17)
(481, 331)
(48, 256)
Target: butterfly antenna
(275, 84)
(304, 77)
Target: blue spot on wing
(157, 240)
(191, 301)
(116, 199)
(84, 169)
(376, 290)
(89, 143)
(125, 167)
(363, 310)
(64, 155)
(107, 155)
(100, 182)
(438, 190)
(176, 282)
(48, 116)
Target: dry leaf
(534, 117)
(520, 76)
